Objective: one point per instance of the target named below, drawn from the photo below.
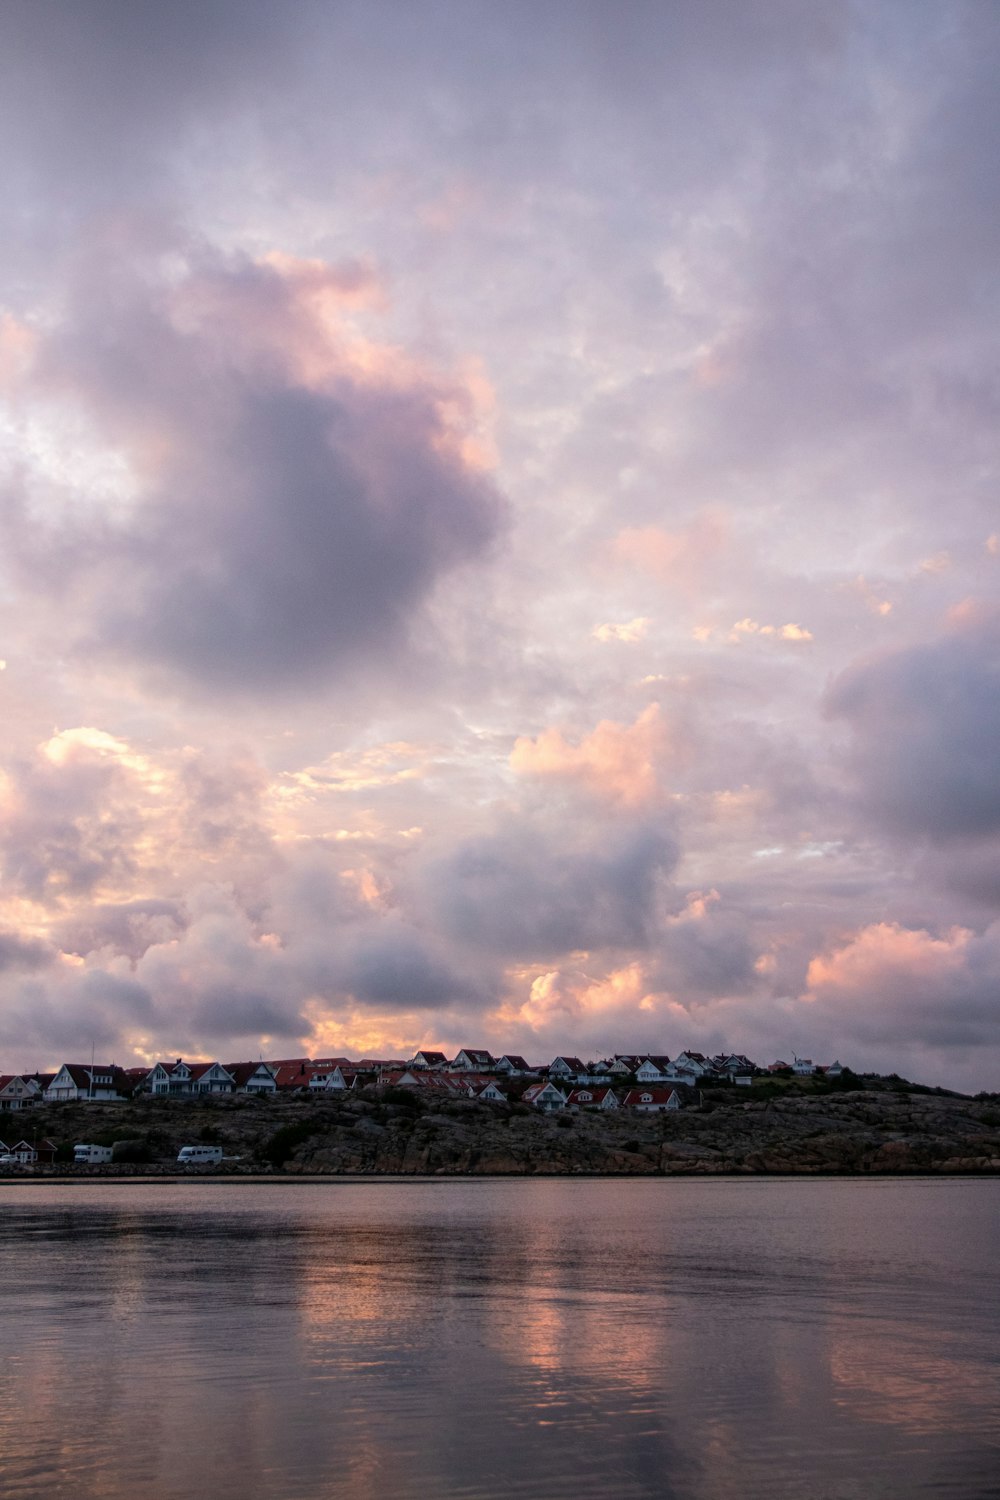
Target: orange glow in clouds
(617, 762)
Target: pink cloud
(886, 957)
(620, 763)
(678, 557)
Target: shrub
(131, 1151)
(283, 1142)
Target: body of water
(692, 1340)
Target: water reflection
(705, 1340)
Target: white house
(252, 1077)
(490, 1092)
(652, 1069)
(589, 1097)
(425, 1059)
(544, 1096)
(18, 1091)
(651, 1100)
(622, 1065)
(101, 1081)
(471, 1060)
(566, 1067)
(172, 1078)
(803, 1066)
(687, 1067)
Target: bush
(131, 1151)
(284, 1141)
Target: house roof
(650, 1094)
(198, 1070)
(573, 1063)
(81, 1073)
(441, 1083)
(78, 1073)
(294, 1075)
(534, 1089)
(596, 1095)
(243, 1071)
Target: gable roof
(649, 1094)
(241, 1073)
(595, 1095)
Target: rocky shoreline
(820, 1135)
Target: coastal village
(640, 1083)
(476, 1114)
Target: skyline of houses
(624, 1080)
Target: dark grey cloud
(127, 928)
(43, 1023)
(291, 530)
(539, 888)
(96, 99)
(707, 955)
(925, 725)
(395, 969)
(17, 952)
(235, 1012)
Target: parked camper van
(199, 1156)
(91, 1155)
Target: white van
(91, 1155)
(199, 1156)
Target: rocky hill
(401, 1133)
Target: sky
(500, 530)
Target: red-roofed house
(651, 1100)
(652, 1069)
(512, 1065)
(184, 1078)
(566, 1067)
(17, 1091)
(488, 1092)
(251, 1077)
(101, 1081)
(593, 1098)
(471, 1060)
(544, 1096)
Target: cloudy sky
(500, 529)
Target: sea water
(690, 1339)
